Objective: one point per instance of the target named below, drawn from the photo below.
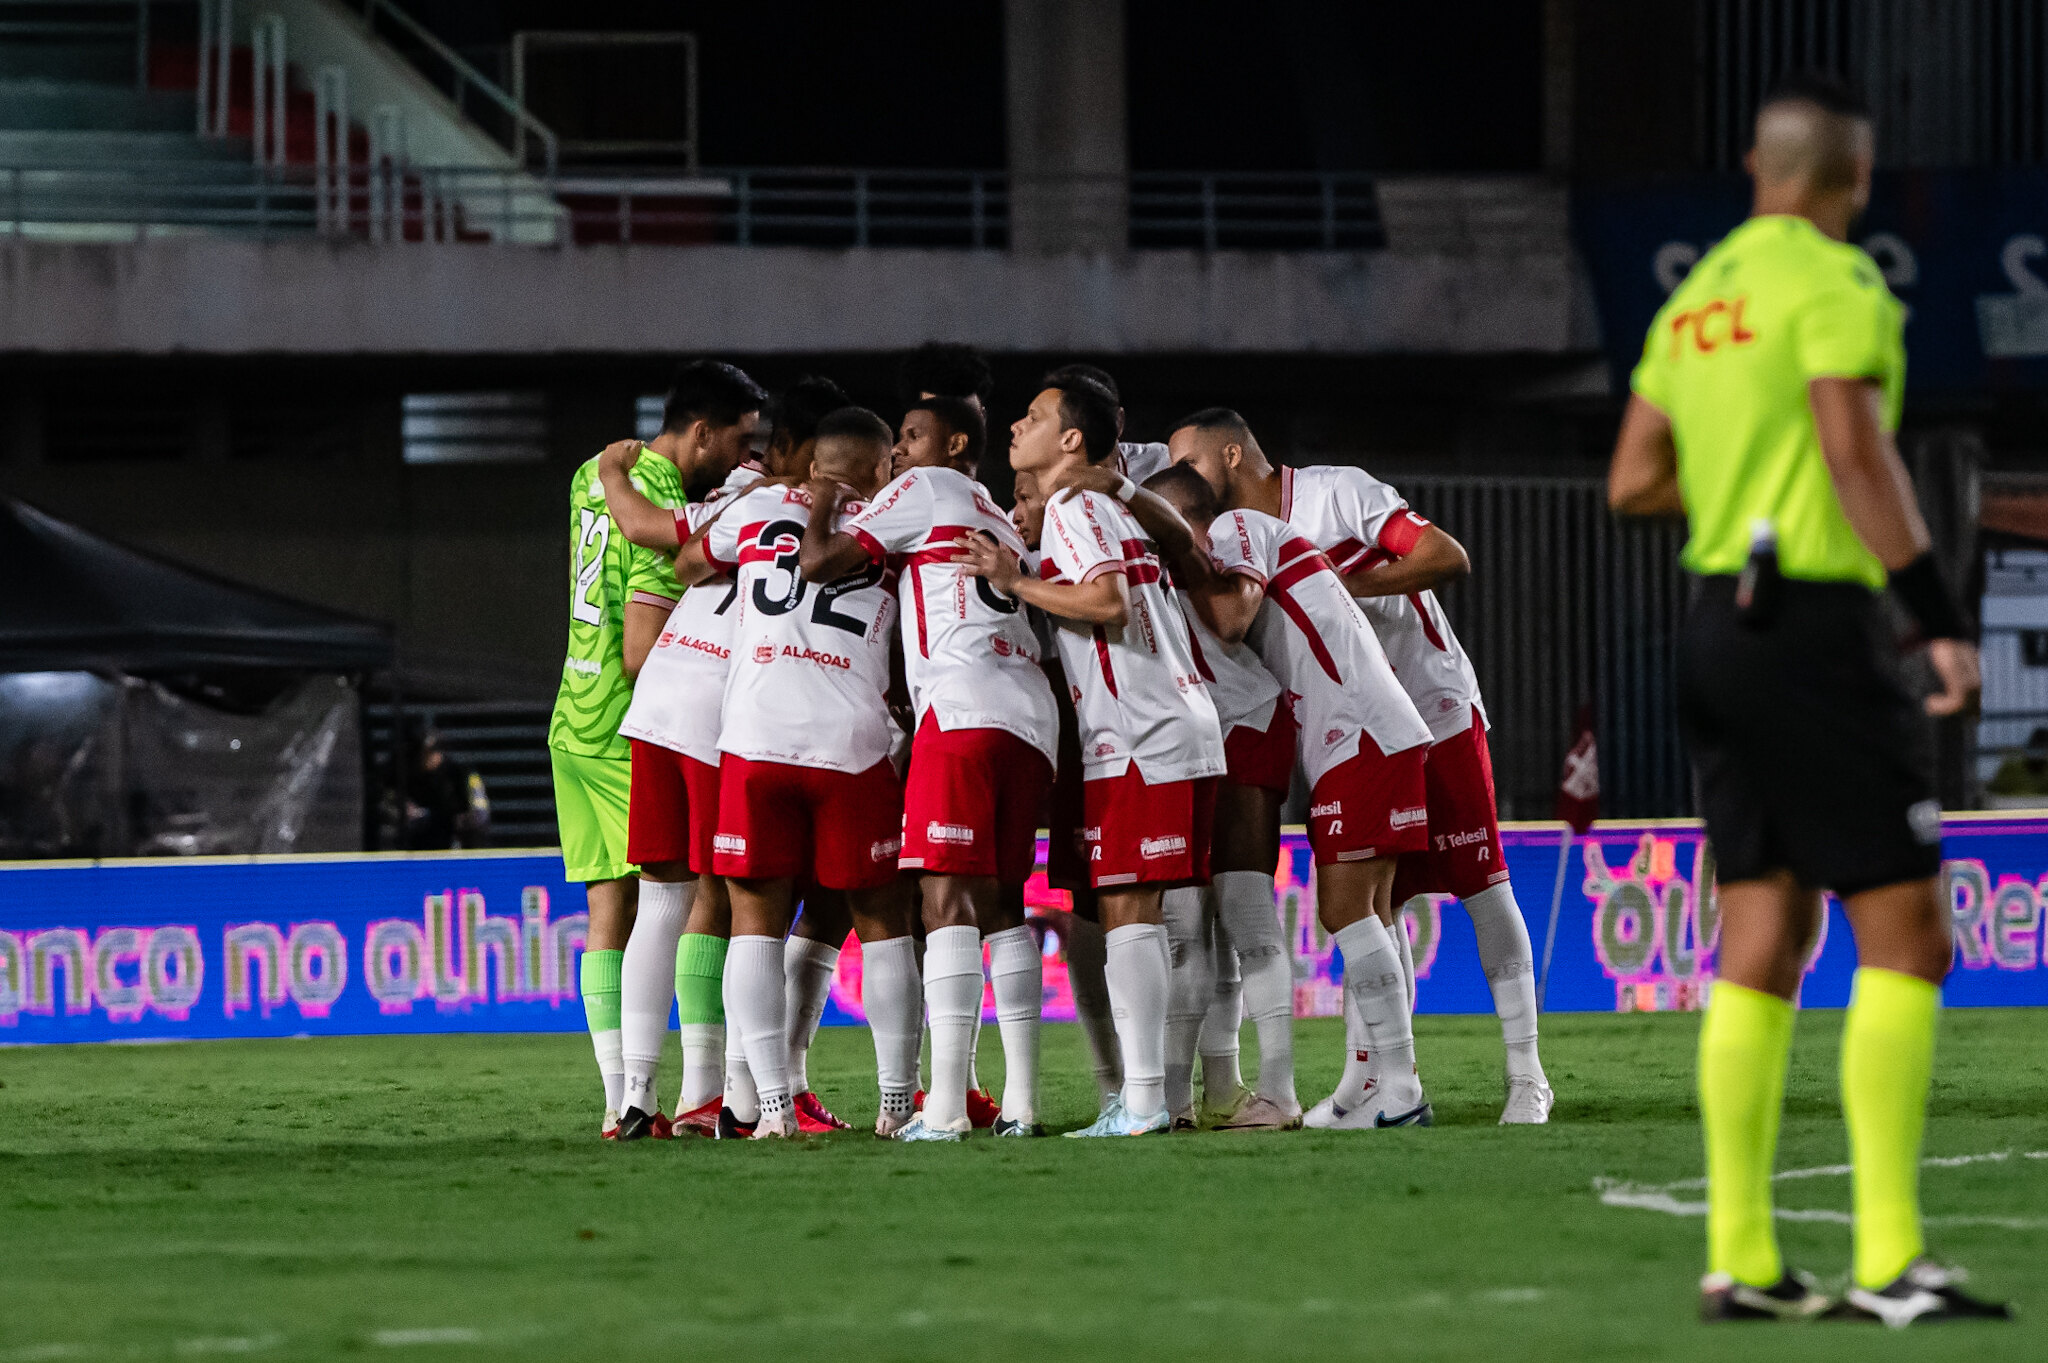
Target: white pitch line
(454, 1334)
(1657, 1197)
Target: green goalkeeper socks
(1745, 1045)
(601, 989)
(1887, 1064)
(700, 975)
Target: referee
(1763, 411)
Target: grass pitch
(447, 1197)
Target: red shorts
(1371, 805)
(970, 804)
(658, 806)
(778, 821)
(702, 778)
(1463, 856)
(1138, 834)
(1262, 757)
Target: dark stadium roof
(74, 601)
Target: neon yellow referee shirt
(1776, 304)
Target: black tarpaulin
(70, 600)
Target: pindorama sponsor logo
(959, 835)
(1330, 810)
(1152, 849)
(885, 850)
(729, 842)
(1408, 818)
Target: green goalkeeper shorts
(590, 811)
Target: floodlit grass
(447, 1197)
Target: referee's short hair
(709, 391)
(1822, 89)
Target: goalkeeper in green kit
(619, 597)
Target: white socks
(1016, 967)
(1372, 974)
(890, 997)
(1244, 905)
(1358, 1066)
(1404, 945)
(754, 1010)
(1191, 990)
(952, 998)
(1087, 955)
(611, 1067)
(703, 1065)
(1139, 979)
(647, 982)
(1510, 965)
(807, 968)
(740, 1094)
(1218, 1045)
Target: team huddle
(823, 682)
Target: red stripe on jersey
(1345, 555)
(1201, 662)
(1277, 592)
(1428, 625)
(917, 595)
(939, 546)
(1297, 570)
(1102, 657)
(870, 545)
(1047, 571)
(1139, 574)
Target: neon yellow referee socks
(1887, 1064)
(1745, 1044)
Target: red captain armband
(1401, 533)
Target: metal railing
(463, 78)
(390, 201)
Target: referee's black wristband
(1919, 585)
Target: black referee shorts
(1812, 756)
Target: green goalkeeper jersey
(606, 570)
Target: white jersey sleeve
(1142, 460)
(1317, 642)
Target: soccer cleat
(1184, 1120)
(982, 1110)
(918, 1129)
(1925, 1291)
(780, 1127)
(1792, 1297)
(888, 1123)
(1529, 1103)
(1221, 1113)
(1420, 1115)
(1263, 1114)
(1116, 1120)
(643, 1126)
(730, 1127)
(1010, 1126)
(608, 1129)
(1329, 1115)
(698, 1121)
(813, 1118)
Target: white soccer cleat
(1529, 1103)
(919, 1129)
(1116, 1120)
(1328, 1116)
(1263, 1114)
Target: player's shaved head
(1188, 491)
(853, 446)
(1812, 131)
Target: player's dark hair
(855, 423)
(1095, 374)
(711, 391)
(947, 369)
(1830, 92)
(803, 404)
(1189, 492)
(959, 417)
(1215, 419)
(1086, 406)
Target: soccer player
(1763, 411)
(1151, 747)
(1362, 747)
(619, 596)
(1259, 736)
(981, 759)
(684, 918)
(1390, 558)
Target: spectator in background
(445, 802)
(2026, 771)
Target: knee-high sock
(1218, 1046)
(754, 1008)
(1372, 973)
(647, 979)
(1406, 947)
(1139, 982)
(952, 998)
(1510, 965)
(1244, 904)
(700, 1007)
(895, 1009)
(1016, 968)
(1358, 1067)
(1745, 1044)
(740, 1094)
(1191, 988)
(807, 968)
(1087, 955)
(600, 983)
(1887, 1064)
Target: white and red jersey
(1359, 523)
(1244, 691)
(1138, 691)
(681, 689)
(968, 651)
(1141, 459)
(1315, 639)
(809, 679)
